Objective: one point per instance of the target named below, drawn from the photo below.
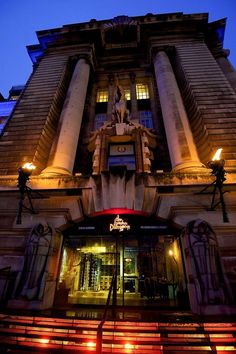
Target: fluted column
(70, 120)
(182, 149)
(133, 97)
(110, 97)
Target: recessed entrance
(148, 264)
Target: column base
(55, 171)
(190, 167)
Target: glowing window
(14, 98)
(127, 94)
(102, 96)
(142, 92)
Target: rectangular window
(142, 91)
(100, 119)
(122, 155)
(127, 94)
(102, 96)
(145, 118)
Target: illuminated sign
(119, 224)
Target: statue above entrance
(121, 143)
(120, 113)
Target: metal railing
(100, 326)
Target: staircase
(27, 334)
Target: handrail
(99, 329)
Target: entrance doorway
(149, 270)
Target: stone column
(133, 97)
(227, 67)
(182, 149)
(110, 97)
(70, 120)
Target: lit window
(127, 94)
(14, 98)
(102, 96)
(100, 119)
(145, 118)
(142, 92)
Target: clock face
(122, 155)
(121, 149)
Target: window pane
(127, 94)
(145, 118)
(142, 92)
(100, 119)
(102, 96)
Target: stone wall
(210, 101)
(29, 134)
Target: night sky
(20, 19)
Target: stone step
(20, 334)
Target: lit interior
(88, 265)
(142, 92)
(102, 96)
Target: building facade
(7, 105)
(120, 118)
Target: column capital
(221, 53)
(88, 56)
(169, 50)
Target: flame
(91, 344)
(129, 346)
(29, 166)
(217, 155)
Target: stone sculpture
(33, 278)
(210, 282)
(120, 113)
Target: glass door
(87, 268)
(152, 271)
(149, 270)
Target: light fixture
(91, 344)
(24, 173)
(217, 167)
(129, 346)
(171, 253)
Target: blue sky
(20, 19)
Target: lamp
(172, 255)
(217, 167)
(174, 270)
(24, 173)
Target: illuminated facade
(120, 118)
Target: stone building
(120, 118)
